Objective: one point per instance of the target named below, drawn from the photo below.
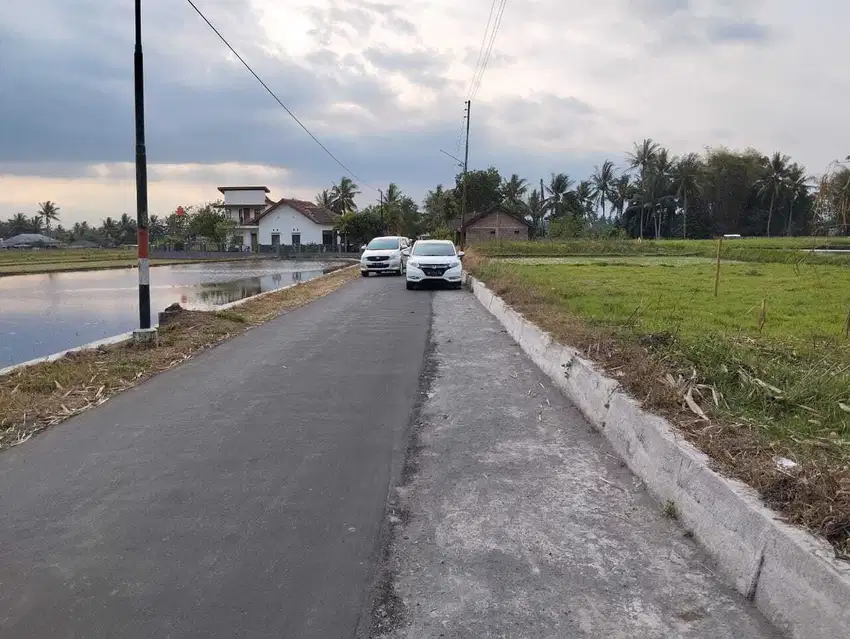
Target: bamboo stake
(717, 269)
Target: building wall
(286, 221)
(496, 225)
(252, 198)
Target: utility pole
(465, 167)
(145, 334)
(382, 209)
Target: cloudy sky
(382, 84)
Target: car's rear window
(382, 244)
(435, 250)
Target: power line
(490, 44)
(277, 99)
(481, 49)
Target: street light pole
(382, 209)
(145, 334)
(465, 166)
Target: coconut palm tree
(797, 183)
(660, 187)
(513, 191)
(686, 182)
(558, 194)
(603, 184)
(583, 198)
(49, 212)
(535, 206)
(642, 158)
(19, 223)
(773, 182)
(623, 190)
(325, 199)
(342, 196)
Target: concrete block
(484, 295)
(145, 337)
(513, 322)
(535, 342)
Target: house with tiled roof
(263, 223)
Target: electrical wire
(277, 99)
(486, 60)
(481, 49)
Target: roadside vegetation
(37, 397)
(757, 376)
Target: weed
(670, 510)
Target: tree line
(652, 195)
(191, 224)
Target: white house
(261, 221)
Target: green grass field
(767, 360)
(787, 250)
(800, 349)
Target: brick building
(495, 223)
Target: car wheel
(410, 285)
(364, 273)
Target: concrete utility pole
(145, 334)
(465, 167)
(382, 208)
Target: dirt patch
(813, 493)
(37, 397)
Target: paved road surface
(238, 495)
(522, 523)
(241, 495)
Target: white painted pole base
(145, 337)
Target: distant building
(28, 241)
(494, 223)
(265, 223)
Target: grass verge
(40, 396)
(760, 373)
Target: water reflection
(44, 314)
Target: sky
(382, 84)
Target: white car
(434, 261)
(384, 255)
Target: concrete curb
(128, 337)
(791, 576)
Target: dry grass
(815, 493)
(38, 397)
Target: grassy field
(758, 372)
(54, 261)
(787, 250)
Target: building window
(516, 232)
(328, 238)
(493, 232)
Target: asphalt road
(242, 494)
(238, 495)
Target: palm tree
(774, 180)
(19, 223)
(513, 191)
(49, 211)
(108, 229)
(623, 190)
(558, 190)
(342, 196)
(36, 224)
(686, 181)
(393, 194)
(535, 206)
(642, 158)
(583, 198)
(660, 187)
(325, 199)
(603, 184)
(797, 182)
(156, 227)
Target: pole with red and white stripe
(141, 179)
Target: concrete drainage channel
(791, 576)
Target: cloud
(382, 83)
